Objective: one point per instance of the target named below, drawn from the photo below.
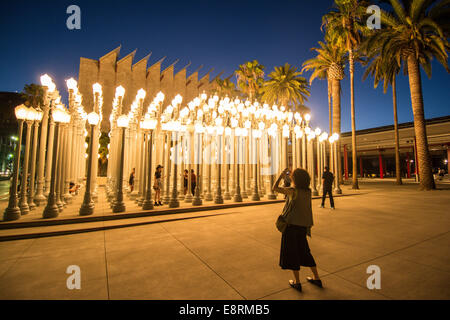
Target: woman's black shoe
(156, 203)
(160, 203)
(315, 282)
(296, 286)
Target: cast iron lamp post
(149, 124)
(37, 119)
(59, 116)
(237, 195)
(87, 207)
(199, 130)
(337, 189)
(12, 212)
(119, 206)
(23, 203)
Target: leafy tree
(413, 33)
(345, 26)
(286, 87)
(33, 95)
(250, 78)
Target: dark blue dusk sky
(217, 34)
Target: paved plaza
(233, 253)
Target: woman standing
(157, 186)
(295, 251)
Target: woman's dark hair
(301, 178)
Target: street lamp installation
(87, 207)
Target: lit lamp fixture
(148, 124)
(119, 206)
(87, 207)
(12, 212)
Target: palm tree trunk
(330, 114)
(352, 104)
(336, 128)
(398, 173)
(423, 154)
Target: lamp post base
(255, 197)
(197, 202)
(174, 203)
(226, 196)
(237, 197)
(244, 195)
(218, 199)
(39, 199)
(51, 211)
(24, 208)
(147, 205)
(338, 191)
(314, 192)
(87, 209)
(11, 214)
(118, 207)
(209, 197)
(271, 196)
(188, 198)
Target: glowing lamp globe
(21, 112)
(93, 118)
(97, 88)
(58, 115)
(123, 121)
(39, 114)
(141, 94)
(317, 131)
(71, 84)
(120, 91)
(219, 130)
(199, 128)
(307, 117)
(203, 96)
(46, 81)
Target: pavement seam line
(201, 260)
(106, 265)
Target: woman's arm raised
(276, 188)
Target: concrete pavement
(234, 255)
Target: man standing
(327, 182)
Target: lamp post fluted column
(255, 194)
(226, 195)
(312, 166)
(237, 195)
(271, 195)
(174, 202)
(166, 199)
(218, 197)
(12, 212)
(119, 205)
(337, 189)
(31, 203)
(208, 196)
(51, 209)
(87, 207)
(148, 204)
(197, 201)
(23, 204)
(39, 197)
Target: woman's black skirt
(294, 249)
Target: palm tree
(414, 32)
(385, 68)
(225, 87)
(329, 64)
(250, 78)
(345, 26)
(33, 95)
(286, 87)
